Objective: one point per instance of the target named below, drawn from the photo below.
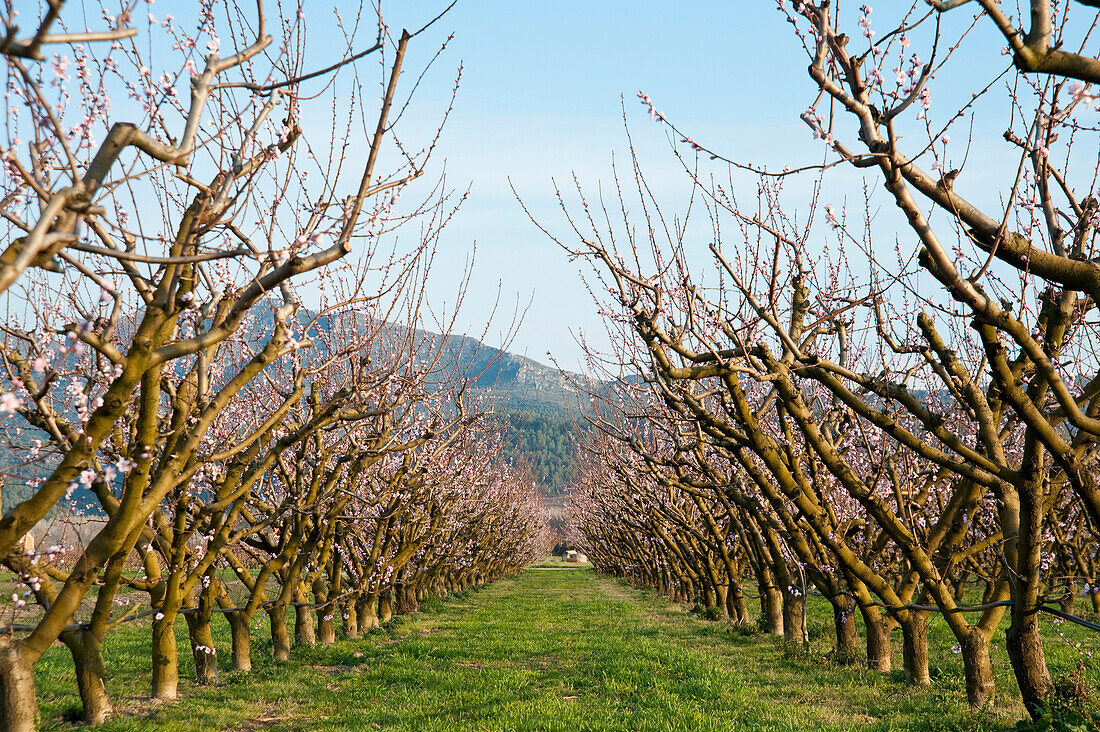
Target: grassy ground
(547, 650)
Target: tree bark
(351, 619)
(709, 598)
(959, 587)
(914, 652)
(385, 606)
(1069, 597)
(1029, 662)
(91, 676)
(405, 600)
(202, 647)
(367, 609)
(847, 634)
(280, 634)
(166, 672)
(326, 624)
(879, 654)
(980, 686)
(721, 594)
(794, 627)
(241, 640)
(18, 700)
(304, 634)
(739, 605)
(771, 604)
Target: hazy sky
(543, 90)
(541, 100)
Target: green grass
(547, 650)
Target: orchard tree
(814, 362)
(139, 249)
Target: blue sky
(542, 97)
(540, 101)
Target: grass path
(547, 650)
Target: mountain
(521, 382)
(537, 403)
(533, 402)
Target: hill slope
(536, 401)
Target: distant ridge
(536, 403)
(521, 381)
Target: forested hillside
(544, 435)
(538, 403)
(534, 402)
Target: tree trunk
(1029, 662)
(771, 604)
(326, 624)
(914, 652)
(202, 647)
(959, 587)
(280, 634)
(351, 619)
(1069, 597)
(709, 599)
(166, 671)
(739, 607)
(721, 592)
(91, 676)
(405, 600)
(18, 700)
(794, 626)
(980, 686)
(879, 653)
(385, 606)
(847, 634)
(304, 634)
(241, 639)
(367, 607)
(689, 593)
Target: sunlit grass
(548, 650)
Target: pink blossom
(9, 402)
